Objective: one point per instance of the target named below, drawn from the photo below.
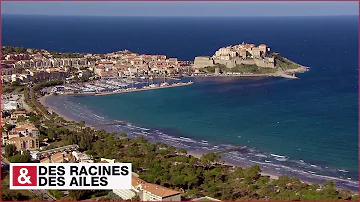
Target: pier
(144, 89)
(127, 90)
(232, 149)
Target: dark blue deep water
(313, 121)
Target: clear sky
(182, 8)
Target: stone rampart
(201, 62)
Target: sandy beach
(196, 154)
(48, 107)
(199, 154)
(194, 151)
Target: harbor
(130, 90)
(115, 86)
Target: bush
(56, 193)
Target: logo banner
(70, 176)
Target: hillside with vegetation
(240, 68)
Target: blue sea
(306, 128)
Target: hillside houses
(24, 135)
(42, 66)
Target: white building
(9, 105)
(82, 158)
(147, 191)
(104, 160)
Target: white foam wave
(261, 155)
(278, 156)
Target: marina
(129, 90)
(115, 86)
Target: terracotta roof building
(17, 114)
(24, 143)
(45, 160)
(148, 191)
(57, 158)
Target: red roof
(19, 129)
(110, 63)
(99, 67)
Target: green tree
(21, 119)
(15, 83)
(8, 127)
(21, 158)
(10, 150)
(136, 198)
(182, 151)
(56, 193)
(210, 158)
(82, 124)
(33, 118)
(252, 173)
(78, 194)
(329, 190)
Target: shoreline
(279, 73)
(198, 153)
(130, 91)
(43, 102)
(193, 153)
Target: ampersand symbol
(23, 178)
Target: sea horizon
(312, 122)
(188, 16)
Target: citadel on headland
(247, 54)
(34, 65)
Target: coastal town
(120, 70)
(33, 134)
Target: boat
(164, 84)
(88, 90)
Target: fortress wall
(245, 62)
(262, 63)
(228, 63)
(201, 62)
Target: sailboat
(165, 83)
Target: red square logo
(24, 175)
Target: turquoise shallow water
(272, 116)
(312, 121)
(252, 112)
